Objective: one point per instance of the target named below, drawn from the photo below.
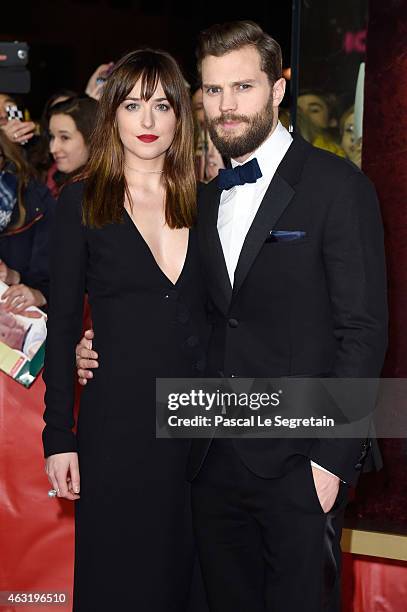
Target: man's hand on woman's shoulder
(86, 357)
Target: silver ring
(52, 493)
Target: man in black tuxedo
(294, 262)
(292, 247)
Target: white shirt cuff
(323, 469)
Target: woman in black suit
(124, 234)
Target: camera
(14, 76)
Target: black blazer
(314, 306)
(26, 249)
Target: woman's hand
(19, 131)
(7, 275)
(18, 298)
(63, 473)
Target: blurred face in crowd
(351, 146)
(197, 107)
(146, 127)
(5, 101)
(348, 137)
(67, 144)
(316, 109)
(241, 105)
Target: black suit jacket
(315, 306)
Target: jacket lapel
(211, 248)
(274, 203)
(276, 199)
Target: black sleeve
(37, 273)
(68, 261)
(355, 269)
(356, 274)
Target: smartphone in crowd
(13, 112)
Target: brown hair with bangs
(106, 186)
(223, 38)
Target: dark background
(69, 38)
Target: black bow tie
(246, 173)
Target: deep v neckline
(156, 264)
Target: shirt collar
(270, 153)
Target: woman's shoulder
(38, 198)
(70, 201)
(73, 189)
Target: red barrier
(36, 531)
(371, 584)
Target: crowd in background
(37, 158)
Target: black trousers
(265, 545)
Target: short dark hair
(220, 39)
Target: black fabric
(240, 175)
(265, 544)
(315, 306)
(134, 546)
(26, 250)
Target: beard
(259, 126)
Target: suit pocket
(277, 244)
(286, 235)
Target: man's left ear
(278, 91)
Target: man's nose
(228, 101)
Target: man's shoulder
(328, 166)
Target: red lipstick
(147, 137)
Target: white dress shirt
(238, 206)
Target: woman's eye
(163, 107)
(132, 106)
(64, 137)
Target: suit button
(192, 341)
(171, 295)
(233, 322)
(358, 466)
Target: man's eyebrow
(243, 81)
(234, 83)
